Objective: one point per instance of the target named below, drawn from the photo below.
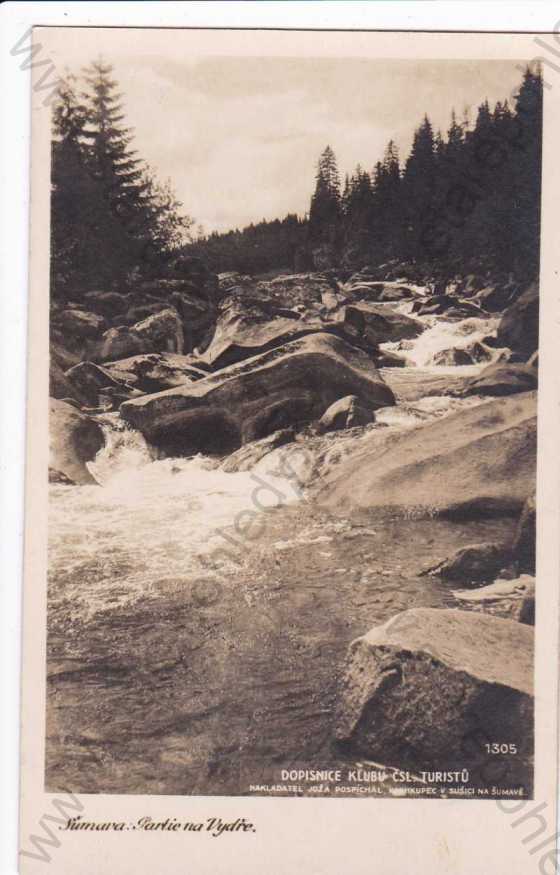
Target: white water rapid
(152, 518)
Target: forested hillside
(464, 199)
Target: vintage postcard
(292, 487)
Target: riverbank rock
(60, 386)
(503, 379)
(80, 324)
(417, 688)
(519, 325)
(477, 462)
(74, 440)
(247, 327)
(287, 386)
(474, 563)
(345, 413)
(376, 323)
(156, 372)
(89, 380)
(160, 332)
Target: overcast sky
(240, 137)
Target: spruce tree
(419, 186)
(325, 208)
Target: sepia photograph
(293, 376)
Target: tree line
(112, 220)
(466, 200)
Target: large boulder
(373, 324)
(61, 387)
(90, 380)
(287, 386)
(502, 379)
(196, 306)
(347, 412)
(417, 688)
(155, 372)
(478, 461)
(161, 332)
(74, 440)
(275, 312)
(80, 324)
(116, 343)
(519, 325)
(60, 360)
(247, 326)
(474, 563)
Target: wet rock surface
(519, 325)
(292, 384)
(503, 379)
(474, 563)
(443, 467)
(417, 688)
(74, 440)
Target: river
(189, 654)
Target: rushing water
(441, 335)
(188, 649)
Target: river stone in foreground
(283, 387)
(429, 688)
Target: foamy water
(150, 520)
(441, 335)
(153, 522)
